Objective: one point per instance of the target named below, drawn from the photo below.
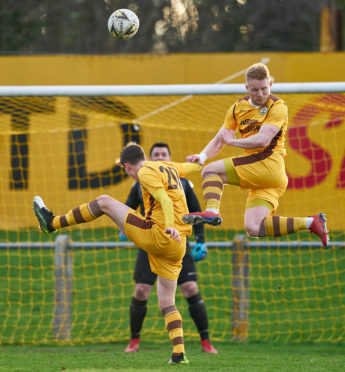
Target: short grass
(253, 357)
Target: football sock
(309, 221)
(84, 213)
(278, 225)
(173, 323)
(213, 210)
(137, 312)
(212, 188)
(197, 310)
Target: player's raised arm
(210, 151)
(188, 169)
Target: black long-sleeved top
(135, 199)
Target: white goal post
(174, 89)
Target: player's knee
(213, 169)
(104, 202)
(207, 169)
(142, 291)
(252, 228)
(189, 289)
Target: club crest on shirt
(263, 110)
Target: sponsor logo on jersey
(248, 122)
(263, 110)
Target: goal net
(62, 142)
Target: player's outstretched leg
(208, 217)
(43, 214)
(83, 213)
(279, 225)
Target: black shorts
(143, 273)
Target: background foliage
(80, 26)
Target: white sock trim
(309, 221)
(213, 210)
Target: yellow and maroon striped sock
(278, 225)
(212, 188)
(84, 213)
(173, 323)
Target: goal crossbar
(174, 89)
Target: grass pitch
(154, 357)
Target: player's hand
(122, 236)
(195, 158)
(199, 252)
(229, 136)
(174, 234)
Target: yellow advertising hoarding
(196, 68)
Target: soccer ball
(123, 24)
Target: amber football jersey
(154, 175)
(248, 119)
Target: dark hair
(132, 153)
(160, 144)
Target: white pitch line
(186, 98)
